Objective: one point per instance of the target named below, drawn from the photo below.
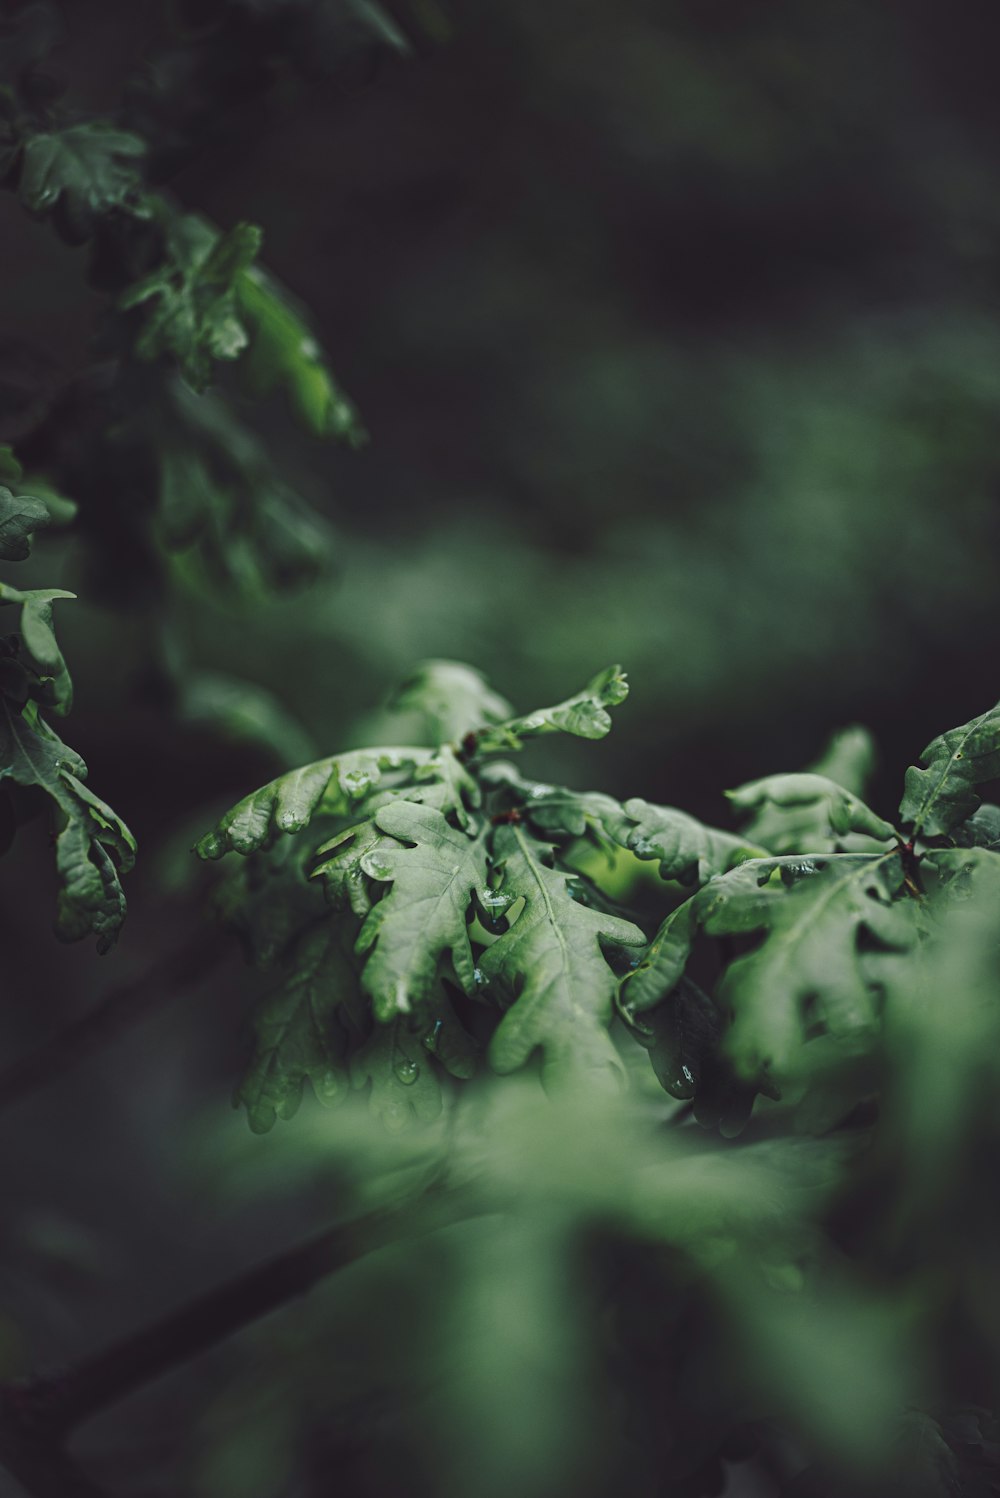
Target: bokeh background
(676, 330)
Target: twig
(61, 1402)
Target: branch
(122, 1008)
(60, 1403)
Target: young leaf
(804, 813)
(936, 799)
(283, 351)
(585, 715)
(93, 845)
(288, 803)
(189, 311)
(454, 700)
(550, 968)
(298, 1035)
(84, 171)
(422, 917)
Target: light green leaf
(288, 803)
(585, 715)
(805, 813)
(936, 799)
(422, 918)
(284, 352)
(549, 967)
(454, 700)
(342, 864)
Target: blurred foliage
(675, 329)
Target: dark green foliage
(462, 870)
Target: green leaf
(85, 170)
(549, 967)
(679, 1034)
(936, 799)
(55, 687)
(20, 516)
(422, 918)
(805, 813)
(288, 803)
(585, 715)
(189, 309)
(454, 700)
(93, 845)
(269, 900)
(686, 848)
(298, 1033)
(284, 352)
(218, 489)
(342, 864)
(829, 933)
(404, 1084)
(981, 830)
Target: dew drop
(406, 1071)
(479, 978)
(431, 1039)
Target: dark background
(676, 329)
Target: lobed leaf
(805, 812)
(298, 1034)
(54, 688)
(188, 306)
(422, 917)
(825, 933)
(937, 798)
(288, 803)
(549, 967)
(93, 845)
(404, 1084)
(585, 715)
(453, 699)
(84, 171)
